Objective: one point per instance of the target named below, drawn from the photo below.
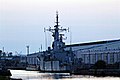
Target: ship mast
(57, 43)
(56, 34)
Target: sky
(22, 22)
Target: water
(35, 75)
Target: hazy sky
(22, 22)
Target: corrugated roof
(92, 43)
(34, 53)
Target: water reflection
(60, 76)
(35, 75)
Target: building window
(111, 58)
(105, 57)
(93, 58)
(99, 56)
(119, 57)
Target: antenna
(57, 18)
(41, 47)
(45, 38)
(3, 49)
(67, 29)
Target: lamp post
(27, 49)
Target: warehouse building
(90, 53)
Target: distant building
(10, 61)
(33, 60)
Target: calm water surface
(35, 75)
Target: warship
(56, 59)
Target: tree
(100, 64)
(0, 53)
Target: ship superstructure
(58, 42)
(56, 59)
